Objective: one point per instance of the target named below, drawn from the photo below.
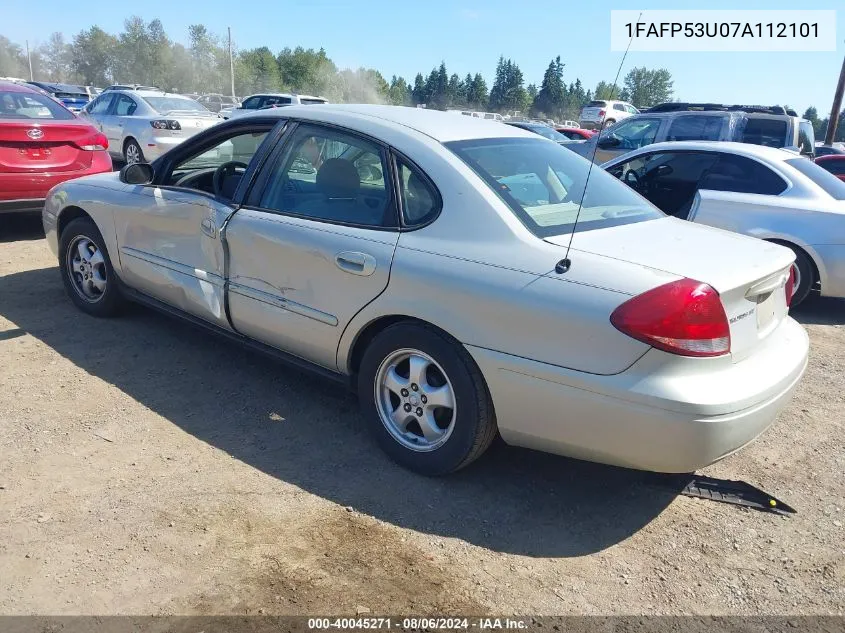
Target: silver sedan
(452, 272)
(143, 124)
(769, 193)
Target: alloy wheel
(87, 268)
(415, 400)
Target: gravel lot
(146, 467)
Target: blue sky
(402, 38)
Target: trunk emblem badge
(34, 133)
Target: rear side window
(30, 105)
(742, 175)
(695, 128)
(824, 179)
(806, 137)
(619, 106)
(420, 202)
(269, 101)
(763, 131)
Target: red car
(42, 144)
(834, 163)
(576, 133)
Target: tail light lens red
(684, 317)
(789, 288)
(601, 113)
(97, 141)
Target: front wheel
(425, 400)
(609, 122)
(804, 276)
(86, 269)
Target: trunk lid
(591, 113)
(749, 274)
(26, 146)
(191, 123)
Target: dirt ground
(148, 468)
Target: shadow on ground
(16, 228)
(820, 311)
(308, 432)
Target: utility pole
(231, 61)
(29, 57)
(833, 121)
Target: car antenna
(563, 265)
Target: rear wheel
(86, 269)
(132, 152)
(609, 122)
(805, 277)
(425, 400)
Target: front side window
(101, 104)
(619, 106)
(251, 103)
(630, 134)
(695, 127)
(668, 180)
(225, 162)
(333, 176)
(544, 185)
(30, 105)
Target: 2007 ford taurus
(446, 268)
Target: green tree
(132, 59)
(418, 92)
(477, 95)
(12, 60)
(55, 56)
(262, 70)
(307, 70)
(550, 99)
(92, 56)
(606, 90)
(456, 91)
(508, 92)
(160, 56)
(645, 88)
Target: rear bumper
(27, 205)
(832, 269)
(675, 422)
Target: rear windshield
(824, 179)
(307, 101)
(543, 184)
(30, 105)
(163, 105)
(763, 131)
(596, 104)
(544, 131)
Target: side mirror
(137, 174)
(606, 142)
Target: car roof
(439, 125)
(743, 149)
(11, 86)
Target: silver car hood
(720, 258)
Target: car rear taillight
(601, 113)
(789, 288)
(684, 317)
(166, 124)
(97, 141)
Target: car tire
(89, 281)
(804, 273)
(609, 122)
(461, 432)
(132, 152)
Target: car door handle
(208, 227)
(356, 263)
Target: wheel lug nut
(414, 387)
(419, 410)
(404, 393)
(407, 407)
(424, 399)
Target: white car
(143, 124)
(764, 192)
(424, 259)
(603, 112)
(265, 101)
